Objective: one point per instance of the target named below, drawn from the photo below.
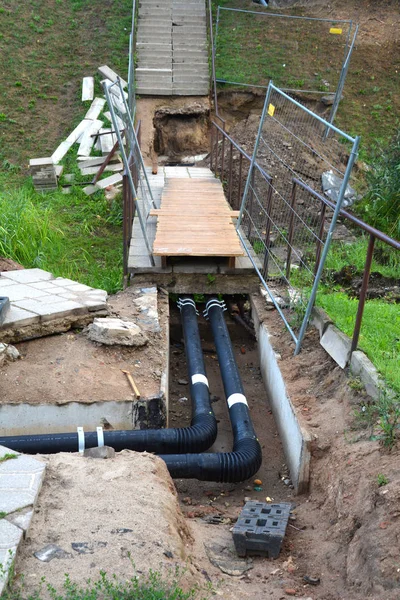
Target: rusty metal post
(230, 175)
(251, 197)
(268, 209)
(216, 152)
(291, 230)
(212, 147)
(363, 293)
(320, 234)
(125, 217)
(223, 158)
(237, 206)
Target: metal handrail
(374, 234)
(344, 213)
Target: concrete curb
(21, 478)
(337, 344)
(296, 440)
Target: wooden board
(195, 220)
(87, 88)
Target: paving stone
(54, 310)
(21, 519)
(28, 275)
(20, 291)
(20, 317)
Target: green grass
(8, 456)
(380, 331)
(386, 260)
(72, 236)
(47, 46)
(150, 587)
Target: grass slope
(47, 46)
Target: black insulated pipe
(198, 437)
(245, 459)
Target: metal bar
(291, 231)
(105, 163)
(342, 79)
(265, 14)
(212, 147)
(320, 234)
(132, 129)
(127, 169)
(235, 145)
(216, 152)
(352, 158)
(240, 180)
(268, 209)
(250, 203)
(253, 158)
(343, 213)
(363, 293)
(230, 175)
(313, 115)
(222, 159)
(278, 308)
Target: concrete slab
(362, 367)
(21, 478)
(337, 345)
(36, 298)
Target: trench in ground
(273, 468)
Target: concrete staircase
(171, 46)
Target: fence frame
(349, 46)
(337, 208)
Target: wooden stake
(132, 383)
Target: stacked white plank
(43, 173)
(77, 134)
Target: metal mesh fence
(297, 53)
(285, 217)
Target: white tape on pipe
(199, 378)
(236, 399)
(100, 437)
(81, 439)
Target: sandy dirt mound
(117, 515)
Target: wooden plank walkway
(195, 220)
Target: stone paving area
(37, 297)
(21, 478)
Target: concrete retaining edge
(296, 440)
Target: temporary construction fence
(284, 215)
(139, 197)
(302, 54)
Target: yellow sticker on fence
(336, 30)
(271, 110)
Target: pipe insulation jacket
(198, 437)
(245, 459)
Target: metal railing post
(291, 230)
(127, 167)
(363, 293)
(253, 158)
(267, 229)
(311, 301)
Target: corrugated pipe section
(198, 437)
(245, 459)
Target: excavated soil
(69, 367)
(119, 515)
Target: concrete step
(188, 67)
(155, 64)
(154, 91)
